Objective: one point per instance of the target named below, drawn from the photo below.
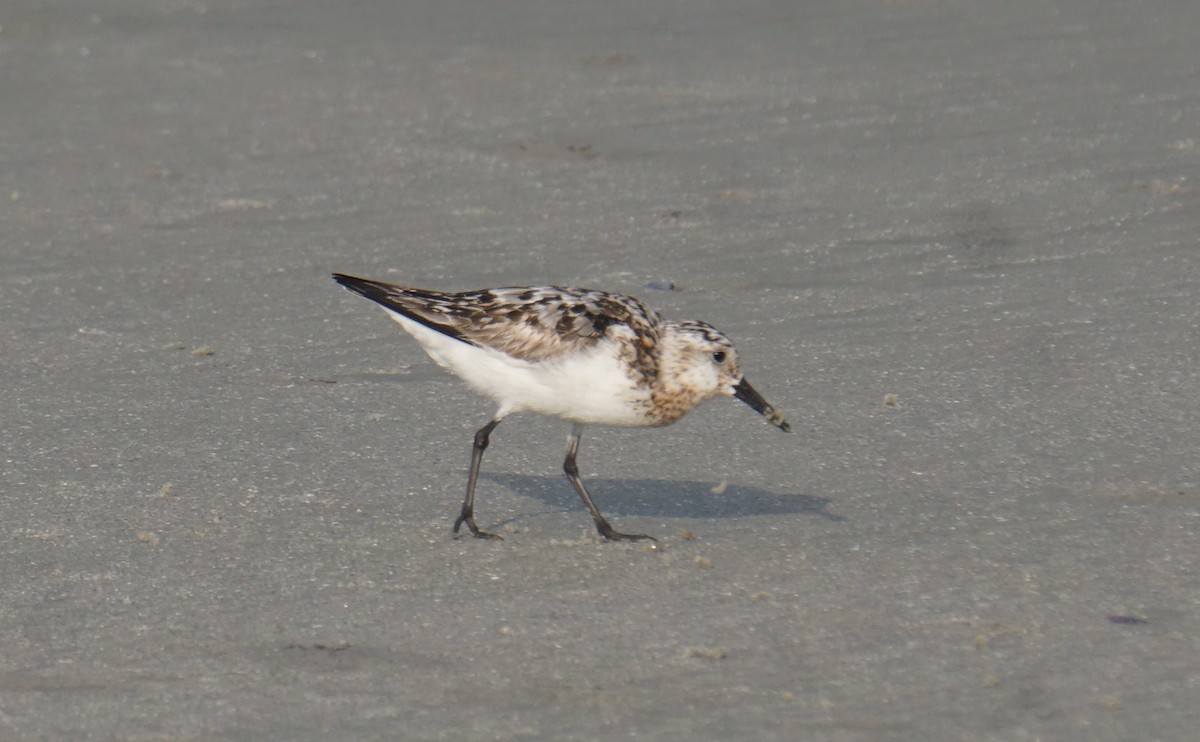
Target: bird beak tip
(747, 394)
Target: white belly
(592, 387)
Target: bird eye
(719, 356)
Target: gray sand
(228, 484)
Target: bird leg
(572, 472)
(468, 508)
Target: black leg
(468, 509)
(572, 471)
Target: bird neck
(678, 384)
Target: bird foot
(476, 531)
(607, 532)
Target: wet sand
(956, 243)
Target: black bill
(746, 393)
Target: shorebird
(587, 356)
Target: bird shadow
(665, 498)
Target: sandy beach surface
(957, 242)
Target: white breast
(591, 387)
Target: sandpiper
(591, 357)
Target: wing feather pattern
(536, 323)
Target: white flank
(593, 387)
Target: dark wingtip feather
(387, 296)
(376, 291)
(358, 285)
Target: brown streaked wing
(539, 323)
(530, 323)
